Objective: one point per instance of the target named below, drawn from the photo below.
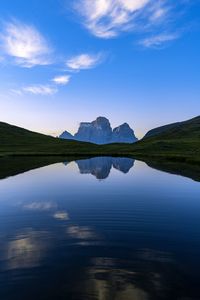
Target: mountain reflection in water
(10, 166)
(100, 167)
(64, 235)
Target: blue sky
(66, 61)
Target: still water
(100, 228)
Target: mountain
(178, 142)
(173, 148)
(100, 132)
(123, 134)
(66, 135)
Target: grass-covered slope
(18, 141)
(178, 141)
(189, 129)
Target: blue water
(100, 228)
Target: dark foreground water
(101, 228)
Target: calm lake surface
(100, 228)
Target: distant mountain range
(100, 132)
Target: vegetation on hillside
(175, 142)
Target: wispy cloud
(43, 89)
(39, 89)
(84, 61)
(62, 79)
(16, 92)
(107, 18)
(158, 41)
(39, 205)
(25, 44)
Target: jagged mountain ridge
(100, 132)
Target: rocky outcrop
(100, 132)
(123, 134)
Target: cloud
(24, 44)
(40, 206)
(61, 80)
(159, 40)
(83, 61)
(108, 18)
(61, 215)
(43, 89)
(40, 89)
(158, 14)
(16, 92)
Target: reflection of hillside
(175, 167)
(100, 166)
(11, 166)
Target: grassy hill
(189, 129)
(178, 142)
(18, 141)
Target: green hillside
(178, 142)
(189, 129)
(18, 141)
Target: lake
(100, 228)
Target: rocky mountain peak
(66, 135)
(124, 134)
(99, 131)
(101, 122)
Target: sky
(67, 61)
